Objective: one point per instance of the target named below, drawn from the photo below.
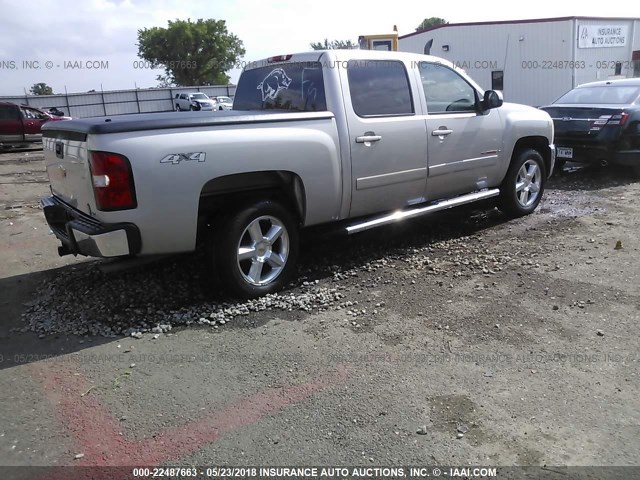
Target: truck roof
(345, 55)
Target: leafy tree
(191, 53)
(333, 45)
(431, 22)
(41, 89)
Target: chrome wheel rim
(263, 250)
(528, 183)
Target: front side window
(445, 90)
(379, 88)
(27, 113)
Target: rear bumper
(84, 235)
(598, 153)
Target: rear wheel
(522, 187)
(178, 109)
(256, 250)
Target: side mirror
(492, 99)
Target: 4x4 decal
(176, 158)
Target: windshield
(601, 94)
(287, 86)
(224, 99)
(199, 96)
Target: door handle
(441, 132)
(368, 137)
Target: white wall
(536, 57)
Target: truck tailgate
(67, 165)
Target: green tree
(41, 89)
(431, 22)
(191, 53)
(333, 45)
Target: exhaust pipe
(604, 163)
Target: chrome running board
(417, 212)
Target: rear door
(386, 135)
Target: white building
(535, 61)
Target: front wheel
(522, 187)
(256, 250)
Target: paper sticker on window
(274, 82)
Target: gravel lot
(459, 339)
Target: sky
(46, 40)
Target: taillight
(112, 181)
(617, 119)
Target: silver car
(193, 101)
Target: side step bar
(417, 212)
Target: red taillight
(619, 119)
(112, 181)
(279, 58)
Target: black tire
(522, 202)
(178, 109)
(241, 277)
(559, 166)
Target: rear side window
(8, 113)
(297, 87)
(379, 88)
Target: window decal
(274, 82)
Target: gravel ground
(464, 338)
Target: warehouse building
(535, 61)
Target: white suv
(193, 101)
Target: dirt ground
(475, 340)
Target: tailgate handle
(59, 150)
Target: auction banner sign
(600, 36)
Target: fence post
(138, 100)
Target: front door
(464, 143)
(32, 121)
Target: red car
(20, 125)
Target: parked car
(386, 137)
(193, 101)
(599, 122)
(223, 102)
(20, 125)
